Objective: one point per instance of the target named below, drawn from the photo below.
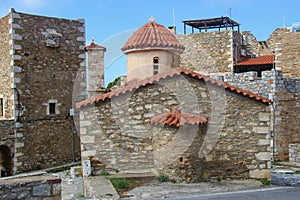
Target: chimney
(95, 78)
(172, 29)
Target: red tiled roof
(135, 84)
(178, 118)
(94, 46)
(152, 35)
(263, 60)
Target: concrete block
(87, 170)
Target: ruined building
(40, 57)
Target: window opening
(52, 108)
(1, 107)
(155, 65)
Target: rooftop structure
(212, 23)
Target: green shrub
(265, 182)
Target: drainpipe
(273, 104)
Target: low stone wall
(249, 81)
(31, 188)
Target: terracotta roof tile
(263, 60)
(152, 35)
(135, 84)
(178, 118)
(94, 46)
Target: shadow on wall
(5, 161)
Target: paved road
(273, 193)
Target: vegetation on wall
(117, 81)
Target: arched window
(155, 65)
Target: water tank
(296, 27)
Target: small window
(1, 107)
(155, 65)
(52, 108)
(181, 160)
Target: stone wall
(294, 153)
(287, 122)
(210, 52)
(285, 45)
(6, 82)
(116, 132)
(286, 101)
(249, 81)
(46, 188)
(287, 51)
(48, 58)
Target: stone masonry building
(276, 61)
(40, 58)
(175, 122)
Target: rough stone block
(85, 123)
(82, 131)
(56, 188)
(19, 144)
(261, 129)
(87, 139)
(263, 142)
(41, 190)
(260, 174)
(265, 117)
(88, 153)
(263, 156)
(18, 69)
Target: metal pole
(73, 142)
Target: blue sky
(111, 22)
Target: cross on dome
(151, 19)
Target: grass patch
(80, 196)
(119, 183)
(297, 172)
(59, 169)
(105, 173)
(265, 182)
(163, 178)
(122, 185)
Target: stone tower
(150, 50)
(95, 67)
(40, 59)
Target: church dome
(152, 36)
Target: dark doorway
(6, 161)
